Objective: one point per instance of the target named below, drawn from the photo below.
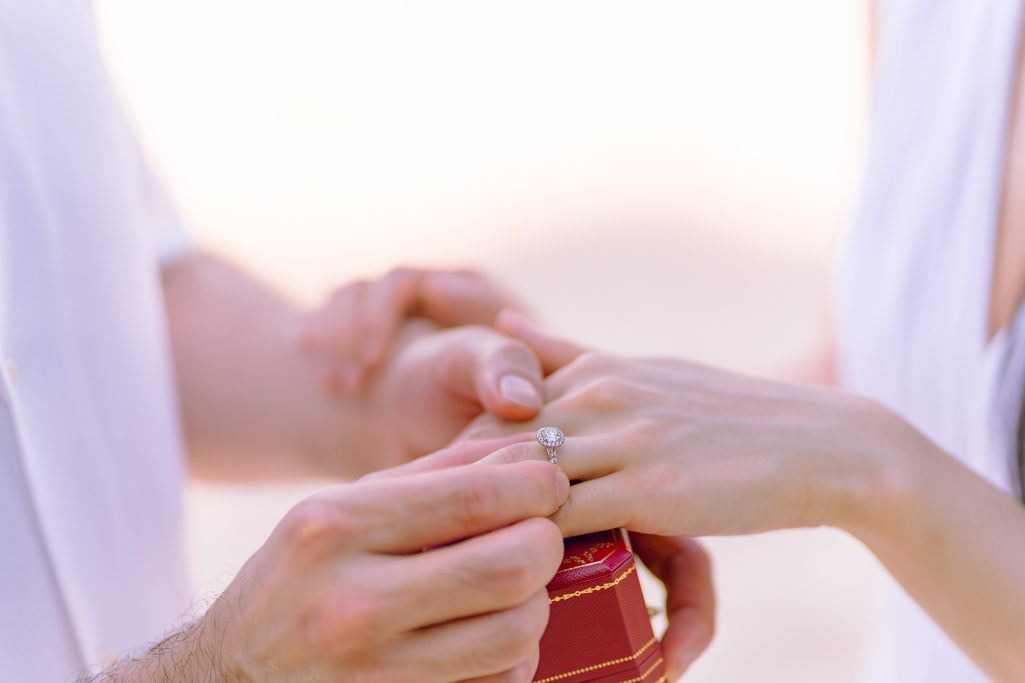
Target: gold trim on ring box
(594, 589)
(640, 679)
(611, 662)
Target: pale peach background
(654, 176)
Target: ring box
(599, 629)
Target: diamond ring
(551, 438)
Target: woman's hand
(438, 381)
(683, 566)
(353, 331)
(670, 447)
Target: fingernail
(516, 389)
(561, 484)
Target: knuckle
(547, 537)
(643, 433)
(526, 567)
(312, 523)
(591, 362)
(519, 453)
(526, 626)
(514, 577)
(540, 494)
(604, 393)
(521, 673)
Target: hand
(680, 563)
(344, 589)
(671, 447)
(354, 330)
(438, 382)
(684, 567)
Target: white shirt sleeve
(162, 221)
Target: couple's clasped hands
(435, 570)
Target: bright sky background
(370, 132)
(656, 176)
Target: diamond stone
(550, 437)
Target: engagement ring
(551, 438)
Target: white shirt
(91, 466)
(913, 280)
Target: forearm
(252, 403)
(189, 655)
(954, 542)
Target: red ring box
(599, 628)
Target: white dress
(913, 278)
(91, 465)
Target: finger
(553, 352)
(580, 457)
(334, 332)
(479, 646)
(523, 673)
(685, 568)
(597, 505)
(386, 306)
(452, 298)
(480, 575)
(407, 514)
(501, 374)
(461, 453)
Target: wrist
(214, 636)
(882, 472)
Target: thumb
(553, 352)
(501, 375)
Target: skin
(822, 458)
(679, 562)
(669, 447)
(389, 577)
(252, 393)
(1008, 286)
(360, 321)
(344, 589)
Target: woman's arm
(670, 447)
(955, 543)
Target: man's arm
(256, 403)
(191, 653)
(252, 404)
(344, 590)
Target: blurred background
(655, 177)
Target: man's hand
(438, 576)
(254, 404)
(352, 333)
